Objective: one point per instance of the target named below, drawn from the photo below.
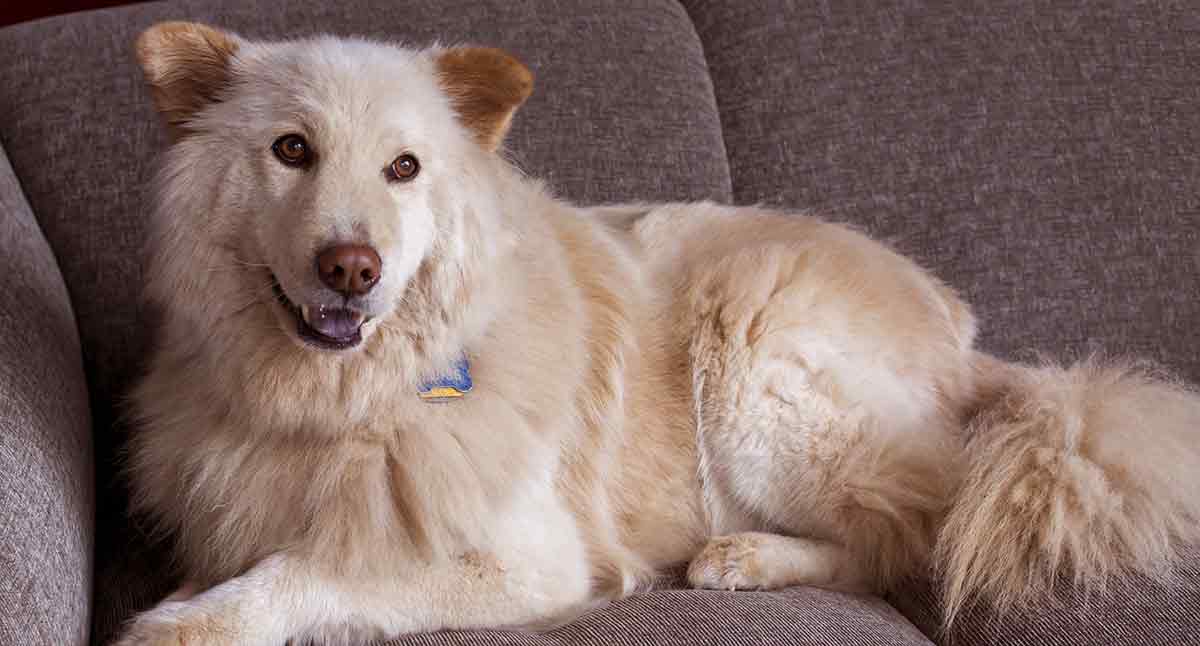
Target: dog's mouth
(327, 328)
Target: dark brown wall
(14, 12)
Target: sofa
(1042, 157)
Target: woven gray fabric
(46, 474)
(798, 616)
(1131, 611)
(1042, 157)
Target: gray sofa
(1043, 157)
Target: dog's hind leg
(850, 502)
(822, 417)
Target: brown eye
(291, 150)
(404, 168)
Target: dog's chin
(330, 329)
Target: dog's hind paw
(729, 563)
(757, 561)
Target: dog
(401, 387)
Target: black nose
(352, 269)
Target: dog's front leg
(250, 609)
(284, 596)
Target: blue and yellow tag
(449, 387)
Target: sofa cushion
(796, 617)
(1041, 157)
(46, 502)
(1130, 611)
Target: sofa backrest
(1042, 160)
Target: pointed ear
(186, 65)
(486, 86)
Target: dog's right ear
(186, 65)
(486, 86)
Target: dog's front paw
(177, 624)
(728, 563)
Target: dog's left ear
(486, 86)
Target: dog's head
(315, 177)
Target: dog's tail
(1073, 473)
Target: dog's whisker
(245, 263)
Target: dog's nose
(352, 269)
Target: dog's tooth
(304, 313)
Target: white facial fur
(359, 105)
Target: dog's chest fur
(579, 384)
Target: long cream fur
(771, 399)
(1087, 471)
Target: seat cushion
(1041, 157)
(1130, 611)
(797, 617)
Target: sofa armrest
(46, 470)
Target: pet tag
(449, 387)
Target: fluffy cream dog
(772, 399)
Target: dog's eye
(404, 168)
(291, 150)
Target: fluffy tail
(1075, 473)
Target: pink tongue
(335, 323)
